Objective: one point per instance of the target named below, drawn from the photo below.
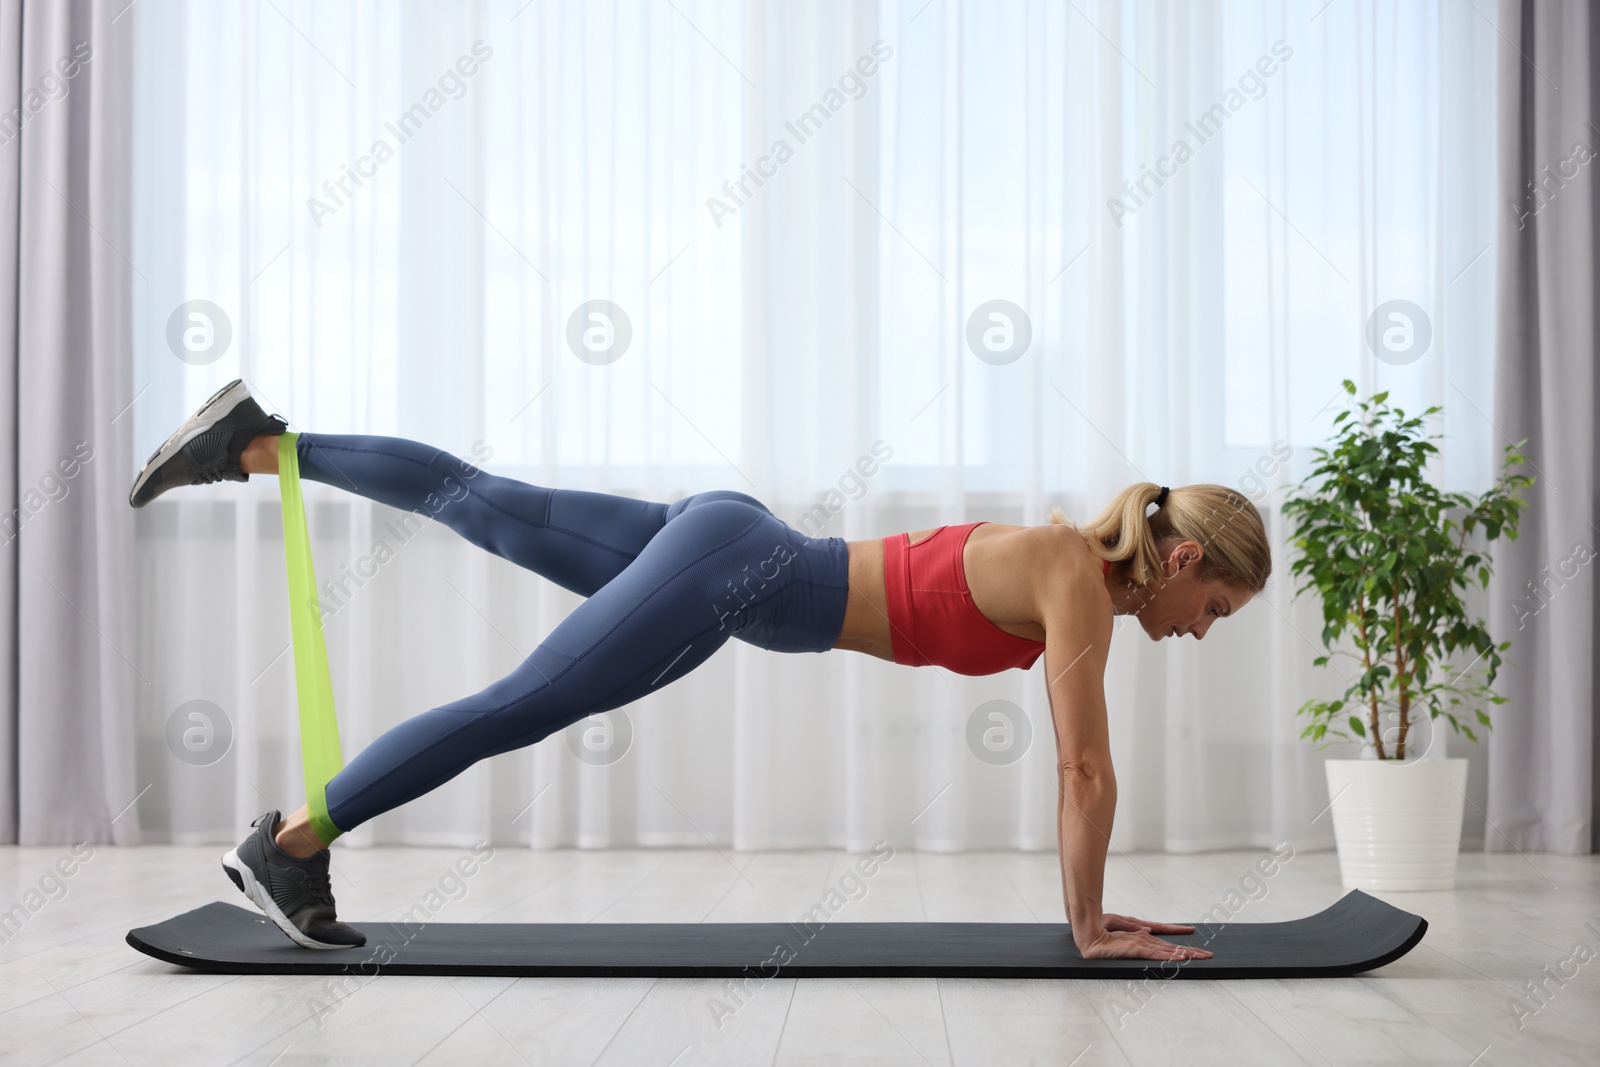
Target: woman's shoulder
(1032, 574)
(1068, 546)
(1055, 538)
(1071, 587)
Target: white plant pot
(1398, 825)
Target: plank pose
(668, 584)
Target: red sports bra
(932, 616)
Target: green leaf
(1356, 725)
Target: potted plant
(1390, 555)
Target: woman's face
(1182, 604)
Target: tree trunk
(1373, 730)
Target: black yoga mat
(1356, 934)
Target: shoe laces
(319, 884)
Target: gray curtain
(66, 544)
(1544, 762)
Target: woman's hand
(1128, 922)
(1128, 938)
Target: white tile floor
(72, 992)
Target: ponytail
(1220, 520)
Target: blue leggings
(667, 585)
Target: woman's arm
(1077, 618)
(1077, 642)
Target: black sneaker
(294, 893)
(206, 448)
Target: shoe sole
(216, 409)
(245, 879)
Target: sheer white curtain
(799, 209)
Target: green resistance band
(319, 728)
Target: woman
(668, 584)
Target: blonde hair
(1224, 522)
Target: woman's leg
(656, 620)
(580, 540)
